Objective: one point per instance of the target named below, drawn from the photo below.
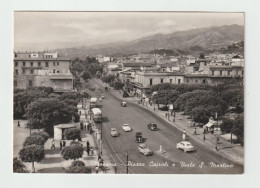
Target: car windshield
(188, 144)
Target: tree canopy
(46, 112)
(34, 140)
(72, 134)
(74, 151)
(18, 166)
(78, 167)
(32, 153)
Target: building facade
(42, 69)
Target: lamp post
(127, 162)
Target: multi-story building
(42, 69)
(145, 80)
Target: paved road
(174, 161)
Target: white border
(252, 42)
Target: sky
(51, 30)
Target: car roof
(185, 142)
(126, 124)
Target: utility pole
(127, 162)
(101, 135)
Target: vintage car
(114, 132)
(126, 128)
(185, 146)
(123, 104)
(152, 126)
(139, 137)
(144, 149)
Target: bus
(96, 114)
(93, 102)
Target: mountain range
(202, 38)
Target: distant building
(102, 59)
(42, 69)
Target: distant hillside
(191, 40)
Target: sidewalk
(92, 161)
(233, 152)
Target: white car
(185, 146)
(143, 148)
(114, 132)
(126, 128)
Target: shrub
(74, 151)
(78, 167)
(72, 134)
(43, 134)
(34, 140)
(18, 166)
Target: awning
(209, 124)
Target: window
(187, 80)
(31, 64)
(23, 71)
(15, 83)
(16, 71)
(220, 72)
(228, 72)
(242, 73)
(151, 81)
(196, 81)
(23, 64)
(29, 55)
(204, 81)
(58, 63)
(53, 70)
(179, 81)
(161, 80)
(39, 64)
(171, 81)
(236, 72)
(212, 73)
(46, 64)
(31, 71)
(205, 63)
(54, 64)
(16, 63)
(30, 83)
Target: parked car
(102, 97)
(144, 149)
(114, 132)
(152, 126)
(139, 137)
(123, 104)
(185, 146)
(126, 128)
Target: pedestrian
(184, 135)
(64, 143)
(60, 144)
(88, 126)
(18, 124)
(195, 131)
(85, 126)
(96, 169)
(81, 125)
(87, 143)
(91, 151)
(53, 144)
(80, 113)
(88, 150)
(100, 162)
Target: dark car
(139, 137)
(152, 126)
